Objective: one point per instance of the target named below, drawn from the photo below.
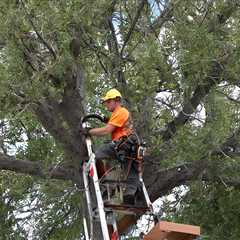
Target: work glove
(85, 131)
(105, 119)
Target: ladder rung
(129, 209)
(115, 182)
(109, 216)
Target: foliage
(182, 73)
(215, 200)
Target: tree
(176, 63)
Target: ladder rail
(145, 193)
(85, 227)
(100, 204)
(114, 224)
(88, 199)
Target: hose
(94, 115)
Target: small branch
(50, 49)
(166, 15)
(92, 46)
(130, 32)
(101, 64)
(114, 37)
(169, 105)
(27, 55)
(229, 98)
(117, 59)
(209, 5)
(227, 182)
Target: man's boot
(129, 199)
(129, 195)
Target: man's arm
(107, 129)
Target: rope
(106, 173)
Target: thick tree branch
(162, 182)
(72, 105)
(211, 80)
(171, 178)
(189, 107)
(34, 168)
(179, 175)
(49, 113)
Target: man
(120, 127)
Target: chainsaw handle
(96, 116)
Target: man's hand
(85, 131)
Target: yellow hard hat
(111, 94)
